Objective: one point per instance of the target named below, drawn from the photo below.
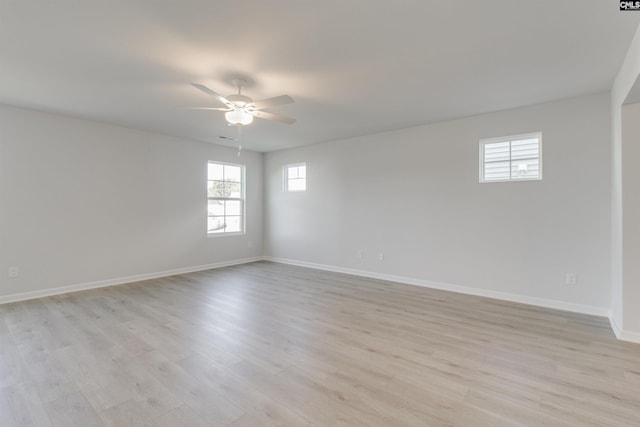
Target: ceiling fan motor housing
(239, 100)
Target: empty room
(331, 213)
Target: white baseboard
(623, 335)
(630, 336)
(615, 327)
(22, 296)
(523, 299)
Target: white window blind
(514, 158)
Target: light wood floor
(267, 344)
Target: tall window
(295, 177)
(225, 191)
(511, 158)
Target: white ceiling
(354, 67)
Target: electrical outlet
(381, 256)
(571, 279)
(13, 271)
(359, 254)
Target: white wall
(631, 218)
(82, 201)
(625, 309)
(414, 194)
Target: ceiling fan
(240, 109)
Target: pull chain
(239, 139)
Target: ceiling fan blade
(271, 116)
(208, 108)
(217, 96)
(272, 102)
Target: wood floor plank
(182, 416)
(21, 406)
(73, 410)
(271, 344)
(126, 414)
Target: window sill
(238, 233)
(511, 180)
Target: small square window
(295, 177)
(511, 158)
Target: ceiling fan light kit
(238, 117)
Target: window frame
(286, 179)
(510, 139)
(241, 199)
